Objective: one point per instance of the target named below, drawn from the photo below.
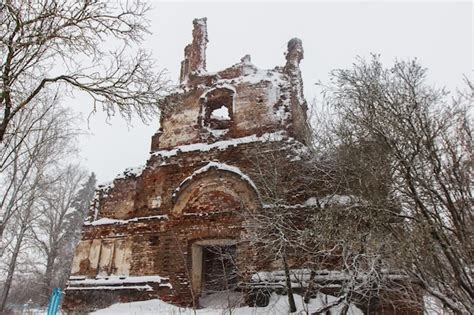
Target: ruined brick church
(150, 232)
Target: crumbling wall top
(295, 52)
(236, 102)
(195, 53)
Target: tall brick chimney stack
(195, 53)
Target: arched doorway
(214, 266)
(211, 206)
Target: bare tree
(22, 222)
(272, 229)
(27, 179)
(75, 217)
(53, 45)
(41, 125)
(324, 223)
(424, 162)
(52, 230)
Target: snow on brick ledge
(300, 278)
(117, 283)
(220, 145)
(108, 221)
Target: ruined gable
(149, 231)
(161, 230)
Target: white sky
(439, 34)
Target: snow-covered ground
(218, 305)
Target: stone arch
(222, 184)
(217, 188)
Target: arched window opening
(217, 111)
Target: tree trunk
(2, 229)
(48, 275)
(291, 298)
(345, 309)
(11, 270)
(307, 295)
(6, 114)
(2, 132)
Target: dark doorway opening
(218, 268)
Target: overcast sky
(439, 34)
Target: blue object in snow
(54, 300)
